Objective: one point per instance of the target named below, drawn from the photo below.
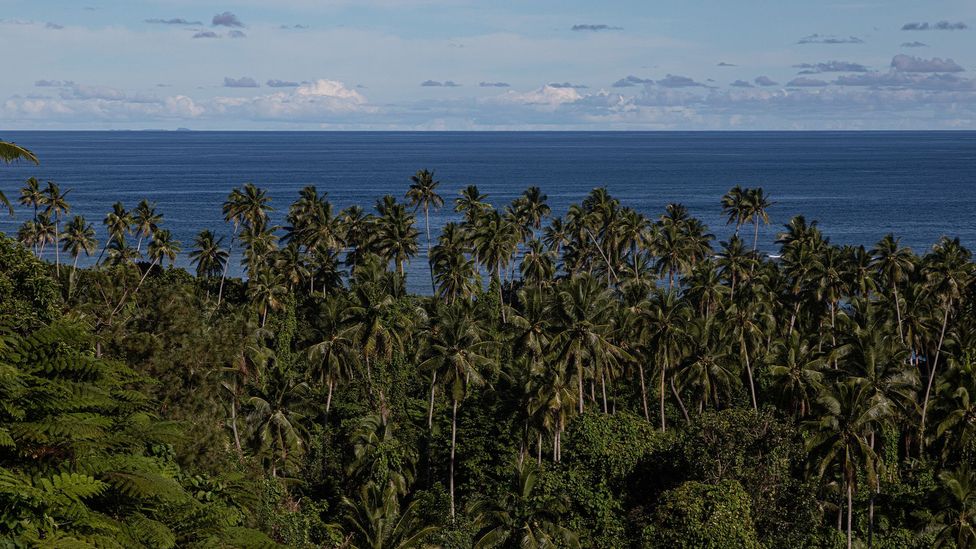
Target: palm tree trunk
(681, 403)
(603, 390)
(539, 448)
(664, 370)
(894, 290)
(57, 245)
(453, 446)
(430, 411)
(223, 275)
(850, 512)
(755, 240)
(579, 374)
(928, 388)
(328, 398)
(640, 369)
(752, 385)
(233, 425)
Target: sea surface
(858, 185)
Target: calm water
(858, 185)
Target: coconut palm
(757, 206)
(423, 193)
(118, 223)
(79, 237)
(396, 237)
(796, 373)
(145, 221)
(494, 241)
(955, 521)
(31, 195)
(11, 152)
(275, 417)
(332, 356)
(948, 272)
(471, 203)
(735, 207)
(457, 355)
(377, 521)
(519, 518)
(664, 329)
(266, 291)
(55, 202)
(582, 329)
(208, 255)
(839, 438)
(894, 264)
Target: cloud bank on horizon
(549, 65)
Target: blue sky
(465, 64)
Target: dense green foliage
(598, 379)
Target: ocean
(857, 185)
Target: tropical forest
(592, 378)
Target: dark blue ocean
(858, 185)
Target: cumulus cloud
(172, 21)
(941, 25)
(546, 96)
(236, 34)
(594, 28)
(493, 84)
(317, 101)
(909, 63)
(907, 80)
(765, 81)
(52, 83)
(226, 19)
(915, 44)
(678, 81)
(831, 66)
(741, 84)
(242, 82)
(439, 84)
(281, 84)
(806, 82)
(829, 39)
(569, 85)
(631, 81)
(53, 26)
(206, 34)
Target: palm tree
(948, 272)
(583, 325)
(333, 354)
(375, 338)
(266, 292)
(519, 518)
(839, 438)
(796, 372)
(458, 355)
(31, 195)
(79, 237)
(208, 256)
(55, 203)
(959, 507)
(396, 238)
(735, 208)
(274, 419)
(665, 322)
(146, 221)
(118, 223)
(494, 241)
(471, 203)
(757, 205)
(377, 521)
(161, 248)
(894, 263)
(423, 192)
(9, 153)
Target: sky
(488, 65)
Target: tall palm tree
(275, 420)
(118, 223)
(55, 202)
(471, 203)
(374, 336)
(758, 204)
(839, 438)
(959, 508)
(948, 272)
(378, 522)
(145, 220)
(423, 192)
(895, 264)
(79, 237)
(583, 325)
(161, 248)
(266, 291)
(208, 255)
(458, 355)
(519, 518)
(665, 322)
(333, 355)
(31, 195)
(735, 208)
(396, 237)
(495, 240)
